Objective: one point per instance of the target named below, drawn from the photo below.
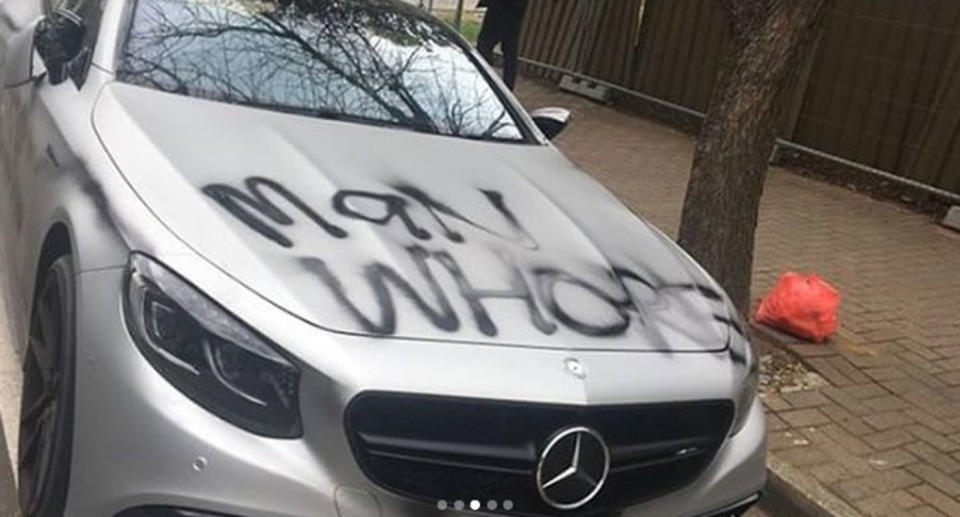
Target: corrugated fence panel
(596, 37)
(613, 30)
(549, 32)
(883, 88)
(681, 44)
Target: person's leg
(490, 33)
(511, 50)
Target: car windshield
(378, 62)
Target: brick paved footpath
(884, 437)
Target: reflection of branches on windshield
(393, 78)
(188, 73)
(166, 35)
(371, 60)
(150, 66)
(451, 106)
(463, 118)
(152, 54)
(495, 125)
(285, 32)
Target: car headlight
(209, 355)
(747, 389)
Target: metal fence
(595, 37)
(882, 88)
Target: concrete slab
(773, 335)
(952, 219)
(794, 492)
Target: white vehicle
(311, 258)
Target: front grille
(437, 448)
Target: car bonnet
(386, 232)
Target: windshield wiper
(410, 125)
(339, 116)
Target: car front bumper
(139, 442)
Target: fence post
(458, 20)
(799, 94)
(586, 33)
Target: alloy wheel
(44, 403)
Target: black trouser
(502, 25)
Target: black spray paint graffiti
(379, 275)
(442, 316)
(253, 206)
(240, 203)
(437, 208)
(257, 211)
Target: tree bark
(770, 41)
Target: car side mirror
(58, 38)
(551, 121)
(18, 68)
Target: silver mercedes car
(311, 258)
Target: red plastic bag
(802, 305)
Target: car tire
(46, 407)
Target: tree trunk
(770, 41)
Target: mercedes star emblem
(575, 367)
(572, 468)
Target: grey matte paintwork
(169, 148)
(118, 176)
